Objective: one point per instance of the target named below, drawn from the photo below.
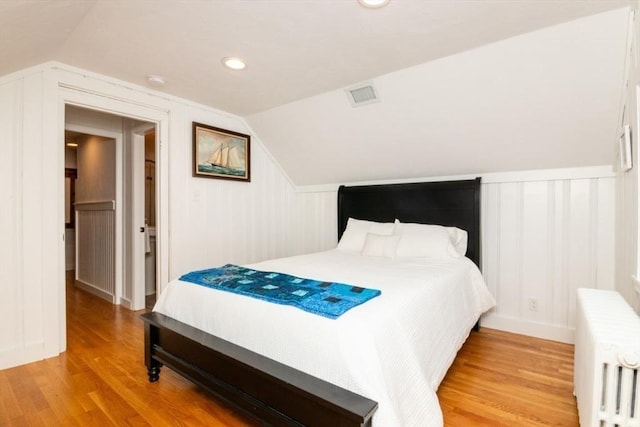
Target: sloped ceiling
(456, 99)
(543, 100)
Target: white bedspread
(394, 349)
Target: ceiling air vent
(362, 94)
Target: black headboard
(449, 203)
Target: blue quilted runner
(323, 298)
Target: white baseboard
(126, 303)
(95, 291)
(21, 355)
(532, 329)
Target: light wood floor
(503, 379)
(497, 379)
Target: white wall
(627, 261)
(219, 221)
(545, 99)
(543, 239)
(96, 169)
(31, 220)
(202, 222)
(544, 234)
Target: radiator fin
(634, 394)
(603, 399)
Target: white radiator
(607, 360)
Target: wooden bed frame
(276, 394)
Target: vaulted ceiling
(466, 86)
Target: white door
(138, 227)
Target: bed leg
(150, 339)
(154, 373)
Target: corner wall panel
(11, 302)
(26, 249)
(559, 241)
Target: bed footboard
(264, 389)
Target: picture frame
(221, 153)
(624, 149)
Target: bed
(320, 371)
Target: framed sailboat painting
(220, 153)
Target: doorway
(90, 212)
(111, 232)
(70, 175)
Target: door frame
(79, 96)
(137, 133)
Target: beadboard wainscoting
(545, 234)
(95, 269)
(541, 241)
(317, 221)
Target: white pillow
(352, 239)
(459, 240)
(424, 241)
(380, 246)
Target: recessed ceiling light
(372, 4)
(154, 80)
(234, 63)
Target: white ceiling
(295, 48)
(548, 99)
(467, 86)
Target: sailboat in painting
(229, 156)
(218, 153)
